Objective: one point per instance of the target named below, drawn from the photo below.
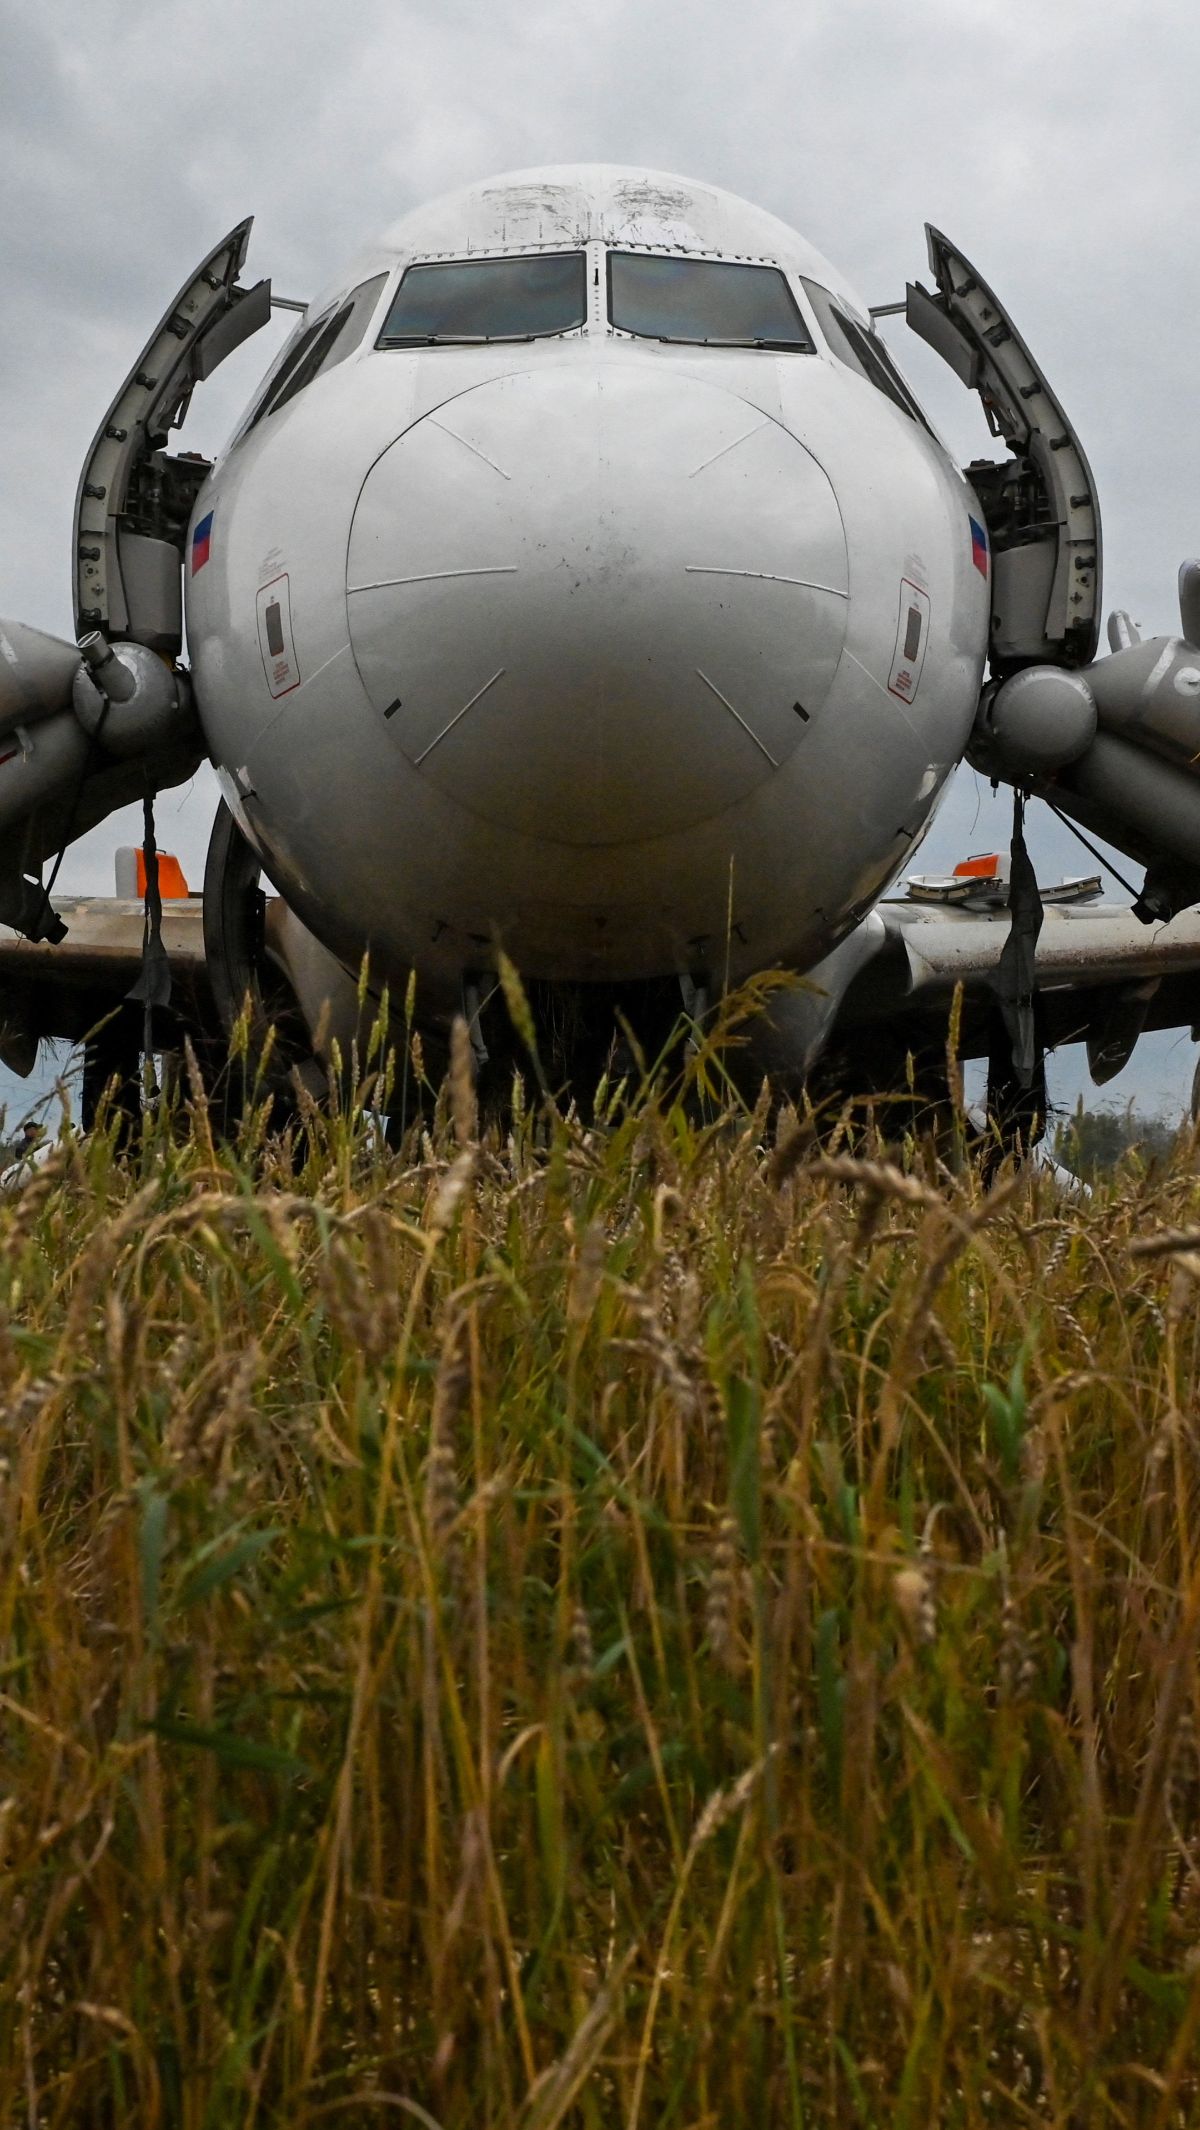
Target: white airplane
(584, 580)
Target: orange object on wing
(983, 868)
(171, 884)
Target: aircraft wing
(64, 989)
(1102, 978)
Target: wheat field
(678, 1621)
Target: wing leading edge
(1102, 977)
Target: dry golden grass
(619, 1627)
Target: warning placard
(275, 636)
(912, 631)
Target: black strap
(1099, 856)
(153, 987)
(1016, 971)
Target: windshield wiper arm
(451, 340)
(434, 340)
(695, 340)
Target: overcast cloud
(1054, 140)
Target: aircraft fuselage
(633, 655)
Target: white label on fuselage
(912, 634)
(275, 636)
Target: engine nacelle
(1115, 745)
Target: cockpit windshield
(714, 301)
(467, 300)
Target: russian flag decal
(201, 542)
(979, 547)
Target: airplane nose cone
(597, 606)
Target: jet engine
(83, 729)
(1116, 745)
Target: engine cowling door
(134, 500)
(1040, 505)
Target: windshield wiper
(452, 340)
(690, 340)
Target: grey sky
(1049, 138)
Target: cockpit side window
(354, 317)
(312, 358)
(328, 340)
(293, 357)
(714, 302)
(861, 350)
(465, 300)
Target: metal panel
(1022, 585)
(1022, 409)
(153, 585)
(930, 320)
(251, 311)
(152, 401)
